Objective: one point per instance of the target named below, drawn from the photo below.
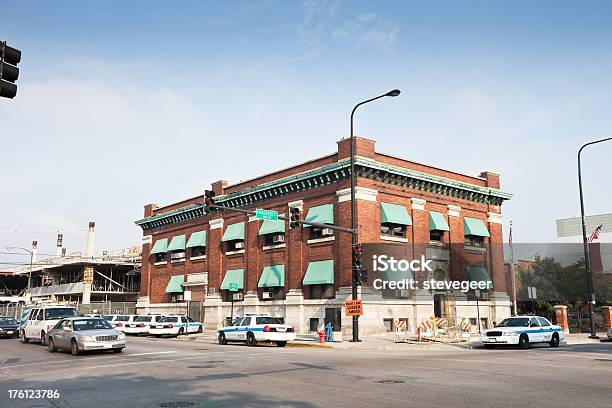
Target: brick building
(304, 274)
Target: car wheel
(523, 341)
(117, 350)
(281, 343)
(222, 339)
(43, 338)
(554, 341)
(24, 339)
(251, 339)
(200, 329)
(74, 348)
(51, 346)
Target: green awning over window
(320, 273)
(177, 243)
(272, 276)
(437, 221)
(176, 284)
(474, 226)
(394, 214)
(323, 214)
(233, 276)
(197, 239)
(477, 274)
(234, 232)
(272, 227)
(160, 247)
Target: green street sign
(262, 214)
(233, 287)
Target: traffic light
(362, 275)
(357, 250)
(209, 201)
(9, 58)
(294, 217)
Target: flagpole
(514, 307)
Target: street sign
(262, 214)
(233, 287)
(353, 308)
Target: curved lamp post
(31, 262)
(394, 92)
(587, 259)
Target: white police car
(175, 326)
(521, 331)
(254, 328)
(141, 324)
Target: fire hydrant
(321, 336)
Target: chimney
(90, 240)
(34, 251)
(58, 247)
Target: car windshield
(514, 322)
(107, 317)
(122, 318)
(269, 320)
(143, 319)
(169, 320)
(7, 320)
(90, 324)
(59, 312)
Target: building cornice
(329, 174)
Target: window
(269, 320)
(534, 323)
(321, 291)
(274, 239)
(183, 320)
(176, 297)
(275, 293)
(393, 230)
(245, 321)
(235, 245)
(228, 296)
(59, 312)
(190, 320)
(169, 319)
(198, 251)
(160, 257)
(177, 256)
(543, 321)
(388, 325)
(436, 235)
(314, 324)
(237, 321)
(474, 241)
(317, 233)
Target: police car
(254, 328)
(175, 326)
(521, 331)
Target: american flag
(595, 233)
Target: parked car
(141, 324)
(175, 326)
(119, 321)
(8, 327)
(78, 334)
(42, 319)
(522, 331)
(253, 329)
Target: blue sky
(125, 103)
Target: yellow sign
(353, 308)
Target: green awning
(176, 284)
(234, 232)
(160, 247)
(323, 214)
(477, 274)
(177, 243)
(437, 221)
(396, 275)
(233, 276)
(197, 239)
(320, 273)
(272, 227)
(394, 214)
(272, 276)
(474, 226)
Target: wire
(61, 231)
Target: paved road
(170, 373)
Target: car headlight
(122, 336)
(88, 338)
(511, 334)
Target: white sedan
(252, 329)
(522, 331)
(175, 326)
(141, 324)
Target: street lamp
(394, 92)
(587, 258)
(34, 243)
